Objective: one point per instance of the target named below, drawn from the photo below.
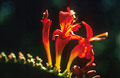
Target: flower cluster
(68, 26)
(83, 49)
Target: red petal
(89, 64)
(58, 32)
(65, 17)
(75, 37)
(45, 14)
(89, 30)
(89, 52)
(82, 55)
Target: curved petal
(89, 63)
(74, 36)
(45, 14)
(88, 29)
(59, 33)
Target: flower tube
(45, 35)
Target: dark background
(20, 30)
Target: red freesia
(66, 20)
(84, 49)
(45, 35)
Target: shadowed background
(20, 30)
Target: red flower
(84, 49)
(66, 20)
(45, 35)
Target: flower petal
(75, 37)
(89, 52)
(65, 17)
(45, 14)
(59, 33)
(89, 30)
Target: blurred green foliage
(7, 8)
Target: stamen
(97, 37)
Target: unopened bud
(90, 73)
(28, 60)
(22, 59)
(3, 54)
(97, 76)
(29, 56)
(38, 60)
(20, 54)
(48, 66)
(77, 71)
(12, 57)
(3, 57)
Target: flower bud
(3, 57)
(29, 56)
(21, 59)
(97, 76)
(38, 60)
(90, 73)
(77, 71)
(12, 57)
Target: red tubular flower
(66, 20)
(84, 49)
(45, 35)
